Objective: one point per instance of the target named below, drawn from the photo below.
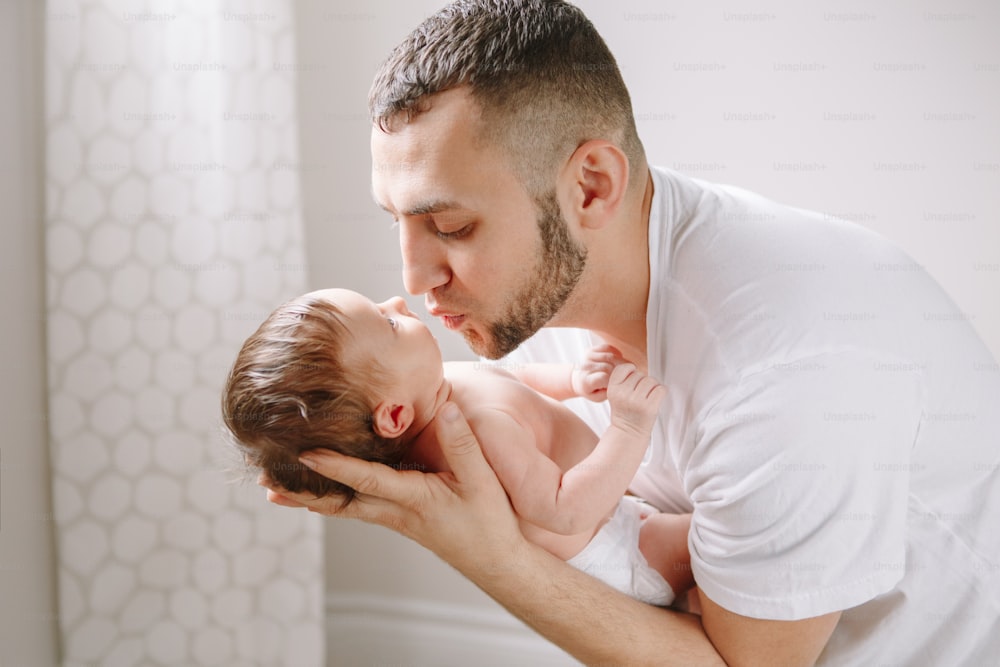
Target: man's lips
(452, 321)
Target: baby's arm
(573, 501)
(588, 379)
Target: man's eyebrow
(426, 208)
(434, 206)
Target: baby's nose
(398, 305)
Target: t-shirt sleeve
(799, 476)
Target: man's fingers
(391, 497)
(366, 477)
(278, 499)
(276, 494)
(459, 445)
(366, 508)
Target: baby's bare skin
(567, 440)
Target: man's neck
(615, 297)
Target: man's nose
(425, 266)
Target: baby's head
(330, 369)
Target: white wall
(350, 244)
(887, 114)
(27, 586)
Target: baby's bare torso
(559, 433)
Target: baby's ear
(390, 420)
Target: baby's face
(390, 333)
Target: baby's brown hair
(295, 386)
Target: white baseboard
(378, 630)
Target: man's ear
(594, 183)
(390, 420)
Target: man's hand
(458, 515)
(591, 377)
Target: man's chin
(479, 345)
(497, 340)
(498, 344)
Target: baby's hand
(590, 378)
(635, 400)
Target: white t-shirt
(832, 421)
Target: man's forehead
(410, 188)
(417, 178)
(436, 162)
(447, 106)
(448, 122)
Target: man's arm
(752, 641)
(582, 615)
(593, 622)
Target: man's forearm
(588, 619)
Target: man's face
(469, 231)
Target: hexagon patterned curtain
(173, 227)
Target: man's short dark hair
(543, 78)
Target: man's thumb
(458, 443)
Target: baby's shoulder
(478, 386)
(471, 370)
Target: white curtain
(172, 228)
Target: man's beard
(545, 290)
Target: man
(830, 424)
